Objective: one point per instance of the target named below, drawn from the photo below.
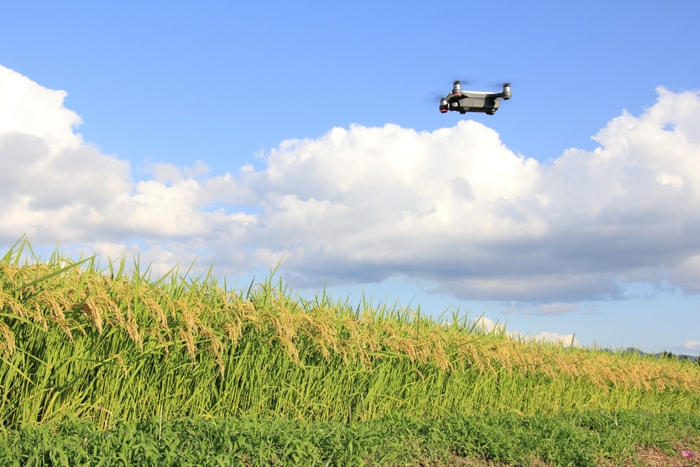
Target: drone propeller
(500, 83)
(432, 98)
(467, 81)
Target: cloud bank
(453, 207)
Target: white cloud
(692, 345)
(56, 187)
(555, 308)
(489, 325)
(31, 109)
(667, 179)
(568, 339)
(454, 207)
(457, 207)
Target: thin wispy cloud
(454, 207)
(545, 309)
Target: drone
(473, 101)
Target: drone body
(473, 101)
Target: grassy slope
(596, 438)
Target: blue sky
(159, 86)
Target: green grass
(585, 439)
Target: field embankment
(110, 349)
(590, 439)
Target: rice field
(111, 346)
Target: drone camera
(506, 91)
(443, 106)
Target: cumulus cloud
(457, 207)
(567, 340)
(692, 345)
(56, 187)
(488, 325)
(454, 207)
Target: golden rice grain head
(132, 329)
(165, 343)
(189, 317)
(233, 326)
(48, 300)
(216, 346)
(189, 341)
(157, 310)
(7, 344)
(92, 311)
(15, 306)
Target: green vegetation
(579, 440)
(109, 356)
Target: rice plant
(114, 345)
